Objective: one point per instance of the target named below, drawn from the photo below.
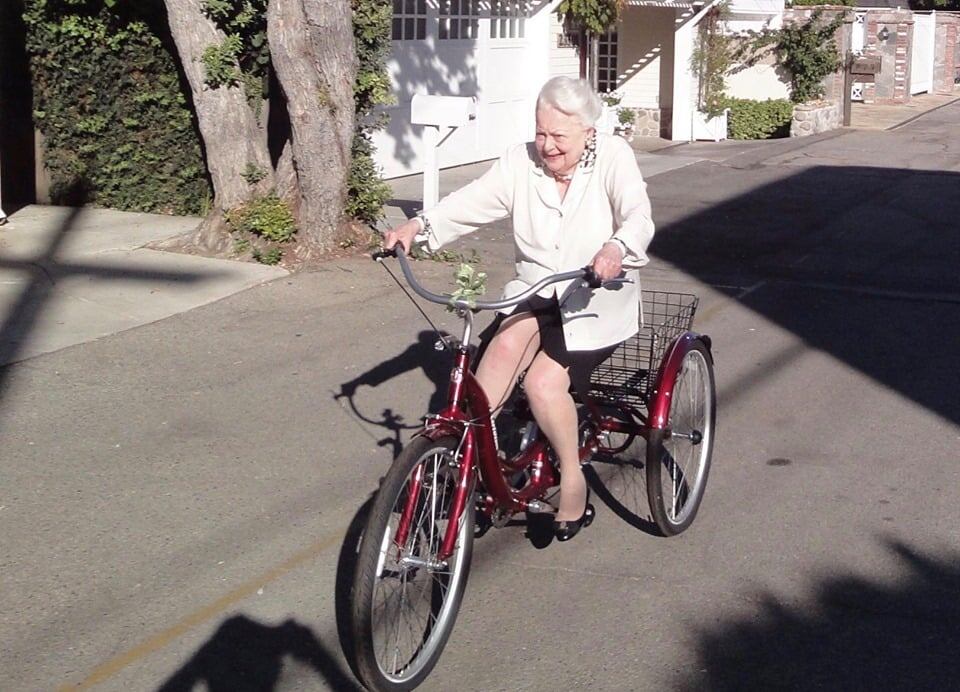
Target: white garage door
(921, 53)
(483, 48)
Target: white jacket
(607, 200)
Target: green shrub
(814, 3)
(117, 128)
(271, 255)
(268, 217)
(749, 119)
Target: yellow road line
(110, 668)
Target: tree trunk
(233, 137)
(582, 50)
(311, 46)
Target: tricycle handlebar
(586, 274)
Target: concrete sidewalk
(68, 276)
(871, 116)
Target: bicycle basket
(628, 375)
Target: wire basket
(629, 374)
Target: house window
(459, 19)
(607, 62)
(409, 20)
(507, 18)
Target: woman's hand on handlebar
(402, 235)
(608, 263)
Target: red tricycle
(451, 481)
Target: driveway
(177, 499)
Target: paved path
(68, 276)
(175, 499)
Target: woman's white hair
(572, 96)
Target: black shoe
(565, 530)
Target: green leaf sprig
(471, 284)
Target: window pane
(408, 27)
(410, 6)
(397, 29)
(397, 6)
(421, 29)
(421, 6)
(443, 28)
(522, 22)
(454, 28)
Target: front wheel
(404, 600)
(678, 456)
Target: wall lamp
(883, 34)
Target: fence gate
(921, 53)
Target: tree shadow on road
(857, 262)
(46, 269)
(244, 655)
(859, 635)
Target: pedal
(540, 507)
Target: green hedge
(117, 129)
(750, 119)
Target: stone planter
(814, 118)
(705, 127)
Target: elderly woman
(576, 199)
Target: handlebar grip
(591, 279)
(381, 253)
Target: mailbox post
(439, 115)
(859, 68)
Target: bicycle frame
(467, 417)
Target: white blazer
(606, 200)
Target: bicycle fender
(659, 407)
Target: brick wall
(892, 83)
(946, 68)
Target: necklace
(563, 178)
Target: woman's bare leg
(547, 385)
(510, 352)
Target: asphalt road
(175, 499)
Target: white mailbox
(438, 113)
(442, 111)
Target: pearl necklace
(563, 178)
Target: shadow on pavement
(421, 354)
(346, 573)
(45, 272)
(247, 656)
(859, 635)
(875, 252)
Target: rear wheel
(678, 457)
(617, 469)
(405, 601)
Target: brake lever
(382, 253)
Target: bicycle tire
(684, 448)
(441, 591)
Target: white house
(501, 51)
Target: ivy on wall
(367, 193)
(117, 128)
